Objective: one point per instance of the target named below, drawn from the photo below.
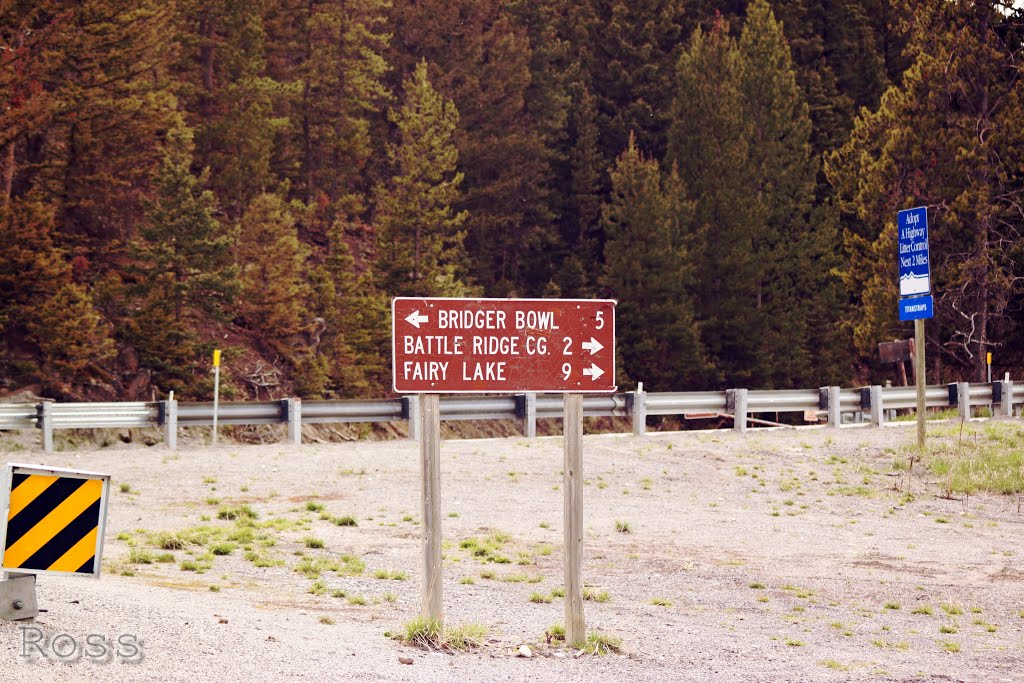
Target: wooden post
(572, 480)
(430, 472)
(919, 378)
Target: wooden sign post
(430, 475)
(501, 346)
(572, 480)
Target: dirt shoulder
(771, 556)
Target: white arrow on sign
(593, 346)
(593, 371)
(415, 319)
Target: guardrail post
(639, 410)
(169, 411)
(828, 399)
(1006, 400)
(45, 412)
(411, 410)
(963, 400)
(736, 402)
(890, 414)
(530, 415)
(875, 400)
(293, 413)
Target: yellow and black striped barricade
(52, 523)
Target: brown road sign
(52, 520)
(502, 345)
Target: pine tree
(791, 239)
(628, 51)
(72, 337)
(92, 152)
(274, 292)
(420, 236)
(32, 268)
(584, 230)
(239, 135)
(647, 270)
(185, 272)
(710, 144)
(342, 76)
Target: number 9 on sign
(566, 370)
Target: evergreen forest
(263, 176)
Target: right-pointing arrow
(593, 346)
(593, 371)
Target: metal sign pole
(430, 476)
(572, 478)
(216, 394)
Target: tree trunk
(8, 172)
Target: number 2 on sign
(566, 370)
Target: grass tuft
(428, 634)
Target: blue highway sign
(915, 269)
(916, 309)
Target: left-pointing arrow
(593, 371)
(415, 319)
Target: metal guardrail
(100, 415)
(902, 398)
(48, 416)
(682, 403)
(18, 416)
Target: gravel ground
(778, 556)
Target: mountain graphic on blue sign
(913, 283)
